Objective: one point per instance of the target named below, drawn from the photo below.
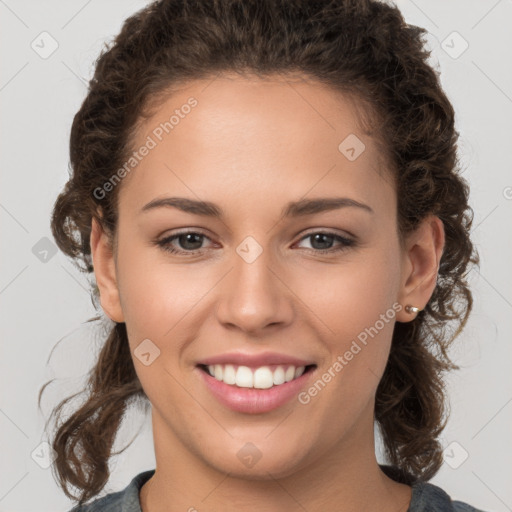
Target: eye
(190, 241)
(322, 242)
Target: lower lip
(251, 400)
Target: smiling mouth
(262, 377)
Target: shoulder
(428, 497)
(126, 500)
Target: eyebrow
(299, 208)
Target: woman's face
(252, 281)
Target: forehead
(254, 137)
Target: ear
(421, 258)
(105, 272)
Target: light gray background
(45, 302)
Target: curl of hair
(362, 48)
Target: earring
(412, 309)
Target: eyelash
(347, 242)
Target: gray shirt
(425, 497)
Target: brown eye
(187, 241)
(322, 241)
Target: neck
(346, 479)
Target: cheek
(352, 294)
(355, 302)
(155, 294)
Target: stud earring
(412, 309)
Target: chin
(251, 463)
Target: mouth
(254, 390)
(262, 377)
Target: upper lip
(255, 360)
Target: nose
(254, 296)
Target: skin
(251, 145)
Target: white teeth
(244, 377)
(260, 378)
(263, 378)
(229, 376)
(279, 376)
(299, 371)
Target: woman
(268, 195)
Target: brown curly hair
(362, 48)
